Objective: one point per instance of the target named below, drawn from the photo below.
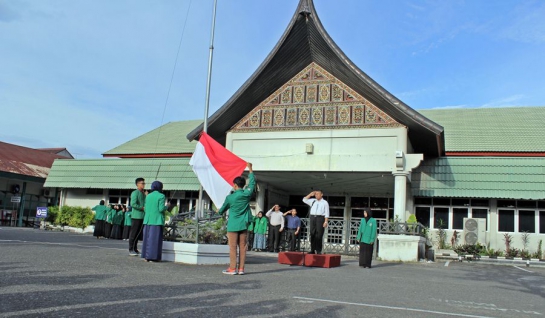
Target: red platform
(322, 260)
(290, 258)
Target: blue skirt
(152, 245)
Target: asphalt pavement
(61, 274)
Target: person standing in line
(127, 224)
(138, 200)
(240, 215)
(367, 233)
(172, 210)
(260, 229)
(115, 223)
(276, 227)
(100, 216)
(293, 223)
(108, 221)
(154, 221)
(319, 214)
(251, 227)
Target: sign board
(41, 212)
(15, 199)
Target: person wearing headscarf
(108, 221)
(127, 224)
(367, 234)
(100, 217)
(117, 222)
(154, 220)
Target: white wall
(368, 149)
(79, 197)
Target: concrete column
(400, 195)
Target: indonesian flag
(216, 168)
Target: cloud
(508, 101)
(528, 24)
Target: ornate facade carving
(314, 99)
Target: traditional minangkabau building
(308, 118)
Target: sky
(90, 75)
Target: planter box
(501, 257)
(534, 259)
(404, 248)
(518, 258)
(484, 257)
(196, 254)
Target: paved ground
(74, 275)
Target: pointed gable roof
(305, 41)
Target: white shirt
(318, 207)
(276, 218)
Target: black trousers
(250, 240)
(134, 235)
(292, 239)
(274, 238)
(366, 253)
(316, 233)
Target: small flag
(216, 168)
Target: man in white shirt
(276, 222)
(319, 214)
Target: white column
(400, 195)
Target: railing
(339, 236)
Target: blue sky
(91, 75)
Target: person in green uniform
(154, 221)
(109, 221)
(367, 233)
(127, 224)
(260, 229)
(117, 222)
(138, 200)
(100, 216)
(172, 210)
(251, 233)
(240, 216)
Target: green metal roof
(175, 173)
(481, 177)
(507, 129)
(167, 139)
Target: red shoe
(229, 271)
(241, 271)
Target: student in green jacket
(100, 216)
(126, 223)
(138, 199)
(367, 234)
(154, 221)
(108, 221)
(117, 222)
(240, 215)
(250, 242)
(260, 229)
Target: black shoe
(137, 251)
(319, 253)
(310, 253)
(277, 251)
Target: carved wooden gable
(314, 99)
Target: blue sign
(41, 212)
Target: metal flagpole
(206, 106)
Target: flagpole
(206, 107)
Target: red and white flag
(216, 168)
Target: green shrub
(74, 216)
(52, 214)
(513, 252)
(469, 249)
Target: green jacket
(238, 204)
(128, 219)
(138, 200)
(252, 224)
(110, 215)
(367, 232)
(155, 209)
(100, 212)
(261, 225)
(118, 217)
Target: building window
(94, 191)
(542, 222)
(441, 218)
(422, 201)
(460, 202)
(526, 204)
(506, 220)
(480, 202)
(458, 215)
(480, 214)
(422, 214)
(441, 201)
(506, 203)
(527, 221)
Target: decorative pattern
(314, 99)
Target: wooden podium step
(322, 260)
